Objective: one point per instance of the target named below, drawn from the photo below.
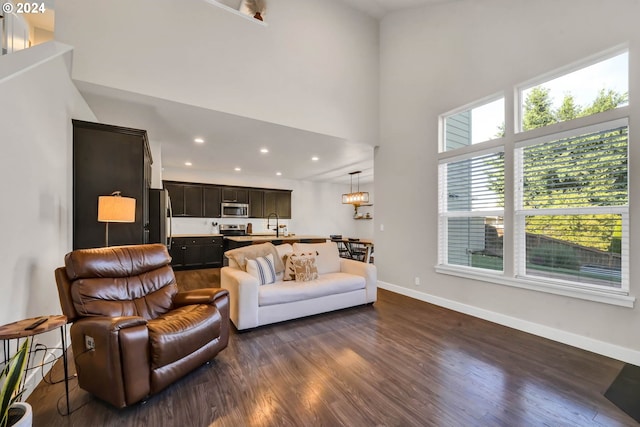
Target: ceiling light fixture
(279, 173)
(264, 150)
(315, 158)
(237, 169)
(188, 164)
(359, 197)
(199, 141)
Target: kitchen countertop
(268, 238)
(196, 235)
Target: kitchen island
(232, 242)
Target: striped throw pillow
(262, 268)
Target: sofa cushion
(240, 255)
(262, 269)
(326, 284)
(327, 259)
(297, 262)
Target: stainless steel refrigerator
(160, 216)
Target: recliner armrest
(110, 324)
(198, 296)
(112, 357)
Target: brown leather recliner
(133, 333)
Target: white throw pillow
(327, 259)
(262, 268)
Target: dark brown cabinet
(196, 252)
(193, 203)
(277, 201)
(256, 203)
(106, 159)
(176, 194)
(203, 200)
(186, 199)
(235, 195)
(211, 195)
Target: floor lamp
(115, 208)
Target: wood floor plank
(399, 362)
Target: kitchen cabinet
(211, 196)
(277, 201)
(176, 194)
(203, 200)
(196, 252)
(193, 203)
(106, 159)
(235, 195)
(256, 203)
(186, 199)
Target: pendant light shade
(358, 197)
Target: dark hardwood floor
(399, 362)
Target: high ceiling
(379, 8)
(235, 142)
(230, 141)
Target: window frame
(513, 138)
(444, 214)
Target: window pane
(578, 248)
(475, 242)
(582, 171)
(475, 125)
(476, 184)
(590, 90)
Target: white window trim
(443, 200)
(515, 138)
(546, 286)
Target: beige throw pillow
(300, 266)
(327, 258)
(241, 255)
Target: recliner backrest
(121, 281)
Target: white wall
(36, 107)
(314, 66)
(316, 208)
(440, 57)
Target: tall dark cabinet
(106, 159)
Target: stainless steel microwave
(234, 210)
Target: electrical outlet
(416, 281)
(89, 343)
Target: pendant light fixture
(357, 198)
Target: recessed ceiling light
(237, 169)
(264, 150)
(315, 158)
(188, 164)
(199, 141)
(279, 173)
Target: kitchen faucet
(277, 223)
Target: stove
(233, 229)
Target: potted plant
(12, 412)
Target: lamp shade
(116, 208)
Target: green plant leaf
(11, 377)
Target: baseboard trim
(600, 347)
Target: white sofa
(341, 283)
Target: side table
(16, 331)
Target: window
(572, 206)
(471, 210)
(590, 90)
(473, 125)
(566, 215)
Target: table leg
(63, 333)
